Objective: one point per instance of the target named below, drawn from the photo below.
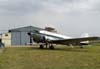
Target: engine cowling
(39, 38)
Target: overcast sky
(70, 17)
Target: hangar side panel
(25, 39)
(16, 38)
(19, 38)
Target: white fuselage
(53, 36)
(56, 36)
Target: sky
(69, 17)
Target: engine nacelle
(38, 38)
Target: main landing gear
(46, 46)
(41, 46)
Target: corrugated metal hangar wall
(19, 36)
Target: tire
(41, 46)
(81, 46)
(51, 47)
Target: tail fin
(85, 35)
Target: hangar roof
(25, 29)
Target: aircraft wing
(74, 40)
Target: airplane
(48, 39)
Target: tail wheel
(51, 47)
(41, 46)
(81, 46)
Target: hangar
(19, 36)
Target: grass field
(60, 58)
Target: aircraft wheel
(81, 46)
(41, 46)
(51, 47)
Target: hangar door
(19, 38)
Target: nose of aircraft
(29, 33)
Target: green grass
(61, 58)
